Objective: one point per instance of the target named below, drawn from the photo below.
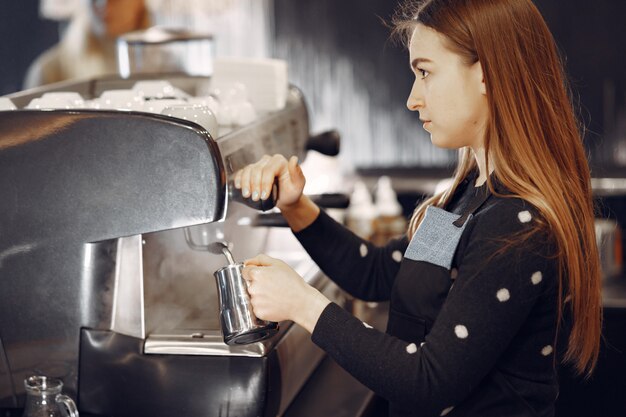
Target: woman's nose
(415, 100)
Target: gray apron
(426, 273)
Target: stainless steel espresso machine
(99, 285)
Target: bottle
(361, 211)
(389, 221)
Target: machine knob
(326, 143)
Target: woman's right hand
(255, 180)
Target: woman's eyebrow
(418, 61)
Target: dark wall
(591, 36)
(355, 80)
(23, 35)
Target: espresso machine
(103, 280)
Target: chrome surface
(128, 303)
(202, 342)
(179, 286)
(159, 50)
(216, 248)
(297, 354)
(95, 208)
(240, 325)
(191, 340)
(72, 183)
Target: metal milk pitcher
(239, 324)
(44, 398)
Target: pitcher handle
(67, 406)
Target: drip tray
(209, 343)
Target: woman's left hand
(278, 293)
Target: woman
(497, 279)
(88, 47)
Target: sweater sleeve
(491, 299)
(359, 267)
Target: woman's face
(448, 93)
(113, 18)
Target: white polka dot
(446, 411)
(461, 331)
(536, 277)
(503, 295)
(422, 344)
(524, 216)
(396, 255)
(454, 273)
(412, 348)
(546, 350)
(363, 250)
(367, 325)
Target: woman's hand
(256, 180)
(278, 293)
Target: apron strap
(477, 201)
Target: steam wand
(220, 247)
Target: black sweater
(473, 309)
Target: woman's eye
(423, 73)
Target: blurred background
(354, 79)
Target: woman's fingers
(237, 179)
(245, 181)
(275, 289)
(256, 180)
(255, 183)
(256, 177)
(262, 260)
(270, 171)
(295, 172)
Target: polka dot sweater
(473, 309)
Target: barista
(87, 48)
(497, 278)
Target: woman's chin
(442, 142)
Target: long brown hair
(533, 138)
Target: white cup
(57, 100)
(244, 114)
(234, 108)
(201, 115)
(120, 100)
(158, 89)
(208, 101)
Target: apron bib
(426, 273)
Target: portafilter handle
(261, 205)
